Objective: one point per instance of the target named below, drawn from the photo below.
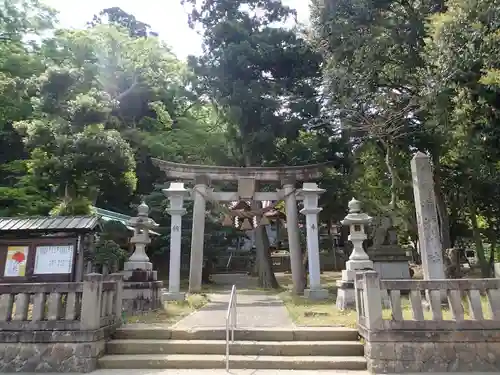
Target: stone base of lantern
(353, 266)
(174, 296)
(132, 265)
(316, 294)
(345, 292)
(346, 298)
(140, 297)
(139, 271)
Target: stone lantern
(139, 261)
(359, 260)
(356, 221)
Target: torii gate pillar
(199, 193)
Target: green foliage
(108, 253)
(83, 111)
(72, 207)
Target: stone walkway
(254, 309)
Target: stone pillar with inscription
(311, 193)
(176, 194)
(358, 260)
(199, 194)
(427, 218)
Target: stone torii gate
(247, 178)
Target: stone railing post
(372, 300)
(118, 300)
(91, 302)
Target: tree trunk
(485, 269)
(332, 241)
(263, 262)
(392, 174)
(267, 278)
(444, 219)
(493, 245)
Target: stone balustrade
(58, 327)
(429, 326)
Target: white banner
(51, 260)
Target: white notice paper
(51, 260)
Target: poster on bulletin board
(15, 264)
(53, 260)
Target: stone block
(381, 350)
(171, 296)
(346, 299)
(50, 357)
(409, 357)
(139, 297)
(392, 270)
(316, 294)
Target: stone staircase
(321, 348)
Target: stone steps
(266, 348)
(189, 361)
(152, 332)
(160, 347)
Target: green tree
(262, 76)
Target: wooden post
(91, 302)
(372, 300)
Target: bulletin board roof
(48, 223)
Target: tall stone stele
(359, 260)
(176, 194)
(427, 218)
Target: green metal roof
(106, 215)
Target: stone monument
(311, 193)
(176, 194)
(389, 259)
(427, 219)
(359, 260)
(141, 291)
(429, 239)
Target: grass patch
(317, 313)
(172, 311)
(305, 312)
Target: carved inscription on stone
(427, 220)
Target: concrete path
(254, 309)
(246, 372)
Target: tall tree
(373, 79)
(118, 17)
(461, 50)
(262, 74)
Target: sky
(167, 17)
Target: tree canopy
(363, 87)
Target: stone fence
(58, 327)
(429, 326)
